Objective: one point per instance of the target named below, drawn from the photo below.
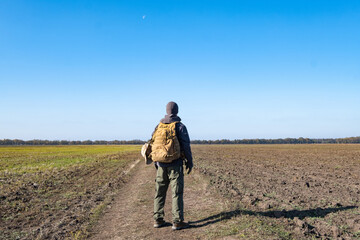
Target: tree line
(281, 141)
(66, 142)
(222, 141)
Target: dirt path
(130, 215)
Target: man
(170, 147)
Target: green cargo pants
(175, 177)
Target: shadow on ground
(301, 214)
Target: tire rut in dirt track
(130, 215)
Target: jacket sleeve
(184, 141)
(155, 163)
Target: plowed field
(310, 190)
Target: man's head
(172, 108)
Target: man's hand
(188, 167)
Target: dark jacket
(184, 140)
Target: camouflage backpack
(165, 146)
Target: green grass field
(58, 191)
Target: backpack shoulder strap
(151, 140)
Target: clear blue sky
(81, 70)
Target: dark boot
(180, 225)
(159, 223)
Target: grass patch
(57, 191)
(243, 226)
